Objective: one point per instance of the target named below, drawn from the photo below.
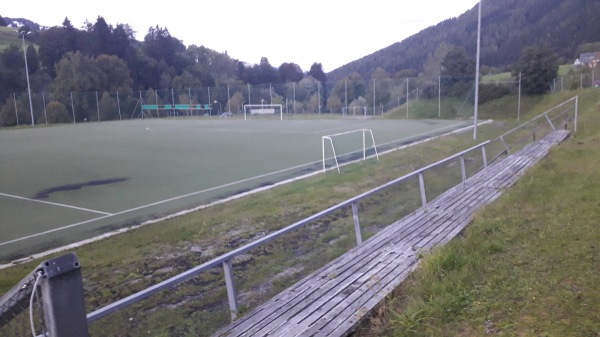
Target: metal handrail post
(484, 156)
(550, 122)
(229, 283)
(463, 171)
(505, 146)
(422, 187)
(576, 113)
(357, 232)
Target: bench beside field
(334, 299)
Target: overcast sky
(332, 32)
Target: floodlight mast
(27, 75)
(476, 108)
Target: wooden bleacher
(334, 299)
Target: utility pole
(476, 109)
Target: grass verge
(529, 265)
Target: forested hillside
(98, 71)
(508, 26)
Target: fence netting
(21, 310)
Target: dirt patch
(45, 194)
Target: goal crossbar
(263, 109)
(329, 138)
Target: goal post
(347, 146)
(263, 110)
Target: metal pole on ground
(374, 97)
(16, 110)
(519, 106)
(157, 112)
(97, 106)
(45, 111)
(73, 107)
(346, 94)
(119, 105)
(229, 100)
(407, 98)
(27, 73)
(439, 96)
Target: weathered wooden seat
(332, 300)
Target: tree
(161, 46)
(54, 43)
(316, 72)
(101, 35)
(538, 66)
(77, 73)
(382, 81)
(57, 113)
(458, 71)
(334, 104)
(2, 22)
(433, 67)
(109, 108)
(351, 87)
(12, 71)
(236, 101)
(113, 74)
(266, 72)
(306, 88)
(290, 72)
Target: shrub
(58, 113)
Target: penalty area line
(54, 204)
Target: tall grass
(527, 266)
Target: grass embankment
(121, 265)
(8, 36)
(529, 265)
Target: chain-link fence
(419, 97)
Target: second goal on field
(263, 111)
(348, 146)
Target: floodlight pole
(220, 108)
(27, 73)
(476, 109)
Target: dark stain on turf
(44, 194)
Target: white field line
(184, 212)
(54, 230)
(54, 204)
(108, 215)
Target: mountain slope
(508, 26)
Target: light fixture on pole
(27, 75)
(476, 109)
(220, 109)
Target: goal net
(263, 111)
(348, 147)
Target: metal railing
(225, 260)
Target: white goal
(263, 110)
(348, 147)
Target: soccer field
(66, 183)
